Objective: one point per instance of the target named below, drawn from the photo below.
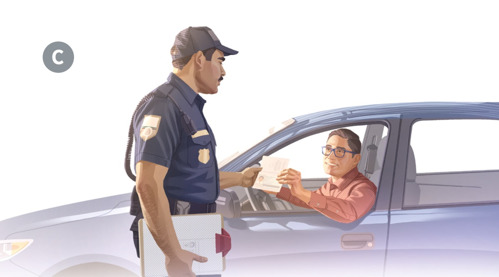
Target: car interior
(372, 153)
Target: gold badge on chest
(204, 155)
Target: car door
(275, 238)
(445, 213)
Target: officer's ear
(199, 60)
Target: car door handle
(357, 241)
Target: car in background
(436, 212)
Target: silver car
(436, 213)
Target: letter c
(58, 57)
(54, 59)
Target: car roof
(416, 110)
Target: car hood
(63, 214)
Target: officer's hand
(181, 265)
(249, 176)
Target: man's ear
(356, 159)
(199, 60)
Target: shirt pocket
(200, 154)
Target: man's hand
(249, 176)
(292, 178)
(181, 265)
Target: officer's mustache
(221, 78)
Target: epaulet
(182, 105)
(164, 90)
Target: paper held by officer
(266, 179)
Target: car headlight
(10, 248)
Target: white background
(63, 135)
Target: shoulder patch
(149, 127)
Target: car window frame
(406, 135)
(392, 123)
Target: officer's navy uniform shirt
(181, 140)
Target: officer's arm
(155, 206)
(246, 178)
(156, 210)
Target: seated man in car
(348, 195)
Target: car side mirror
(228, 204)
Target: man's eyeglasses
(339, 152)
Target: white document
(196, 233)
(271, 167)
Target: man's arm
(356, 205)
(347, 210)
(246, 178)
(156, 210)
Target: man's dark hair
(352, 138)
(180, 63)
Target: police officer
(176, 166)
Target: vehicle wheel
(95, 270)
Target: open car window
(305, 156)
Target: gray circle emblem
(58, 57)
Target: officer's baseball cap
(193, 39)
